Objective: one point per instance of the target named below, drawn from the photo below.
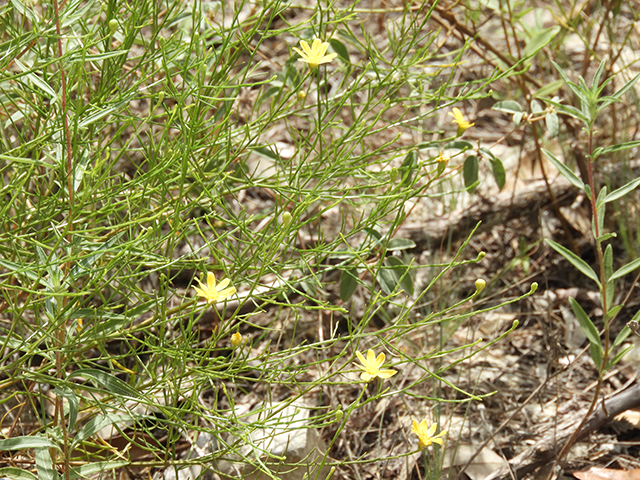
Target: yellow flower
(302, 95)
(442, 158)
(314, 55)
(425, 434)
(371, 366)
(236, 339)
(214, 293)
(460, 120)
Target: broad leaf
(498, 172)
(340, 49)
(470, 172)
(508, 106)
(348, 283)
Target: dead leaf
(595, 473)
(631, 416)
(486, 462)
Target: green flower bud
(339, 415)
(534, 287)
(113, 26)
(286, 219)
(393, 174)
(480, 284)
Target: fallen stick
(545, 449)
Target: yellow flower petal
(426, 434)
(316, 54)
(211, 281)
(380, 360)
(213, 293)
(236, 339)
(371, 366)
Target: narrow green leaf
(73, 404)
(608, 271)
(601, 200)
(596, 77)
(612, 312)
(564, 170)
(266, 152)
(619, 147)
(90, 469)
(80, 168)
(348, 283)
(596, 354)
(628, 268)
(574, 112)
(539, 41)
(548, 89)
(17, 474)
(22, 443)
(615, 359)
(626, 87)
(98, 56)
(44, 465)
(19, 269)
(586, 325)
(470, 172)
(110, 383)
(574, 88)
(622, 191)
(96, 424)
(606, 237)
(622, 336)
(574, 260)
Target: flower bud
(236, 339)
(480, 284)
(286, 219)
(113, 26)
